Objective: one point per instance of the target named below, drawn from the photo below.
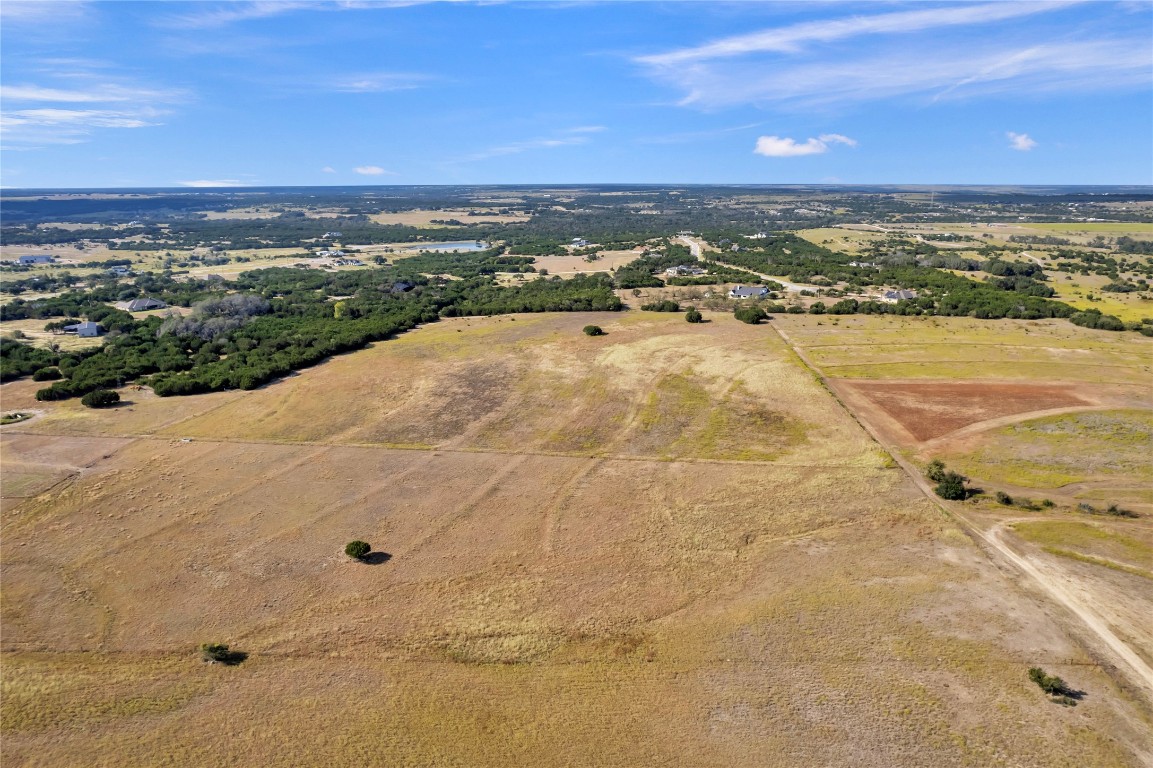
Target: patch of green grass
(1088, 542)
(1097, 561)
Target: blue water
(461, 245)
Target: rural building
(748, 292)
(87, 329)
(579, 242)
(893, 297)
(332, 234)
(684, 269)
(863, 264)
(143, 305)
(119, 271)
(36, 258)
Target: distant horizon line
(577, 185)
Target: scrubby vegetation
(357, 549)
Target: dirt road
(1132, 666)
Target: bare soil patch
(927, 410)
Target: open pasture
(619, 550)
(426, 218)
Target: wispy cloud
(328, 169)
(223, 14)
(37, 12)
(378, 82)
(97, 93)
(31, 128)
(686, 137)
(213, 183)
(777, 146)
(1021, 142)
(793, 38)
(373, 170)
(566, 138)
(820, 63)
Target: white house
(36, 258)
(892, 297)
(748, 292)
(87, 329)
(684, 269)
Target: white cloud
(790, 39)
(99, 93)
(328, 169)
(378, 82)
(815, 63)
(565, 138)
(373, 170)
(1020, 141)
(777, 146)
(212, 183)
(33, 128)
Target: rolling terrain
(668, 541)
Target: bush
(593, 330)
(47, 374)
(99, 398)
(219, 653)
(750, 315)
(1050, 684)
(935, 471)
(358, 549)
(952, 487)
(665, 305)
(1004, 498)
(693, 316)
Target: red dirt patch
(928, 410)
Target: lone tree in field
(693, 316)
(594, 330)
(100, 398)
(219, 653)
(358, 549)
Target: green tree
(952, 487)
(693, 316)
(358, 549)
(594, 330)
(100, 398)
(751, 315)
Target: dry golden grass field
(669, 545)
(1058, 418)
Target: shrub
(358, 549)
(750, 315)
(935, 471)
(47, 374)
(665, 305)
(593, 330)
(1050, 684)
(952, 487)
(219, 653)
(100, 398)
(1004, 498)
(693, 316)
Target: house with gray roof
(748, 292)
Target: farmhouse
(579, 242)
(892, 297)
(119, 271)
(863, 264)
(36, 258)
(84, 330)
(332, 234)
(748, 292)
(143, 305)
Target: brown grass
(665, 542)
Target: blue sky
(124, 94)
